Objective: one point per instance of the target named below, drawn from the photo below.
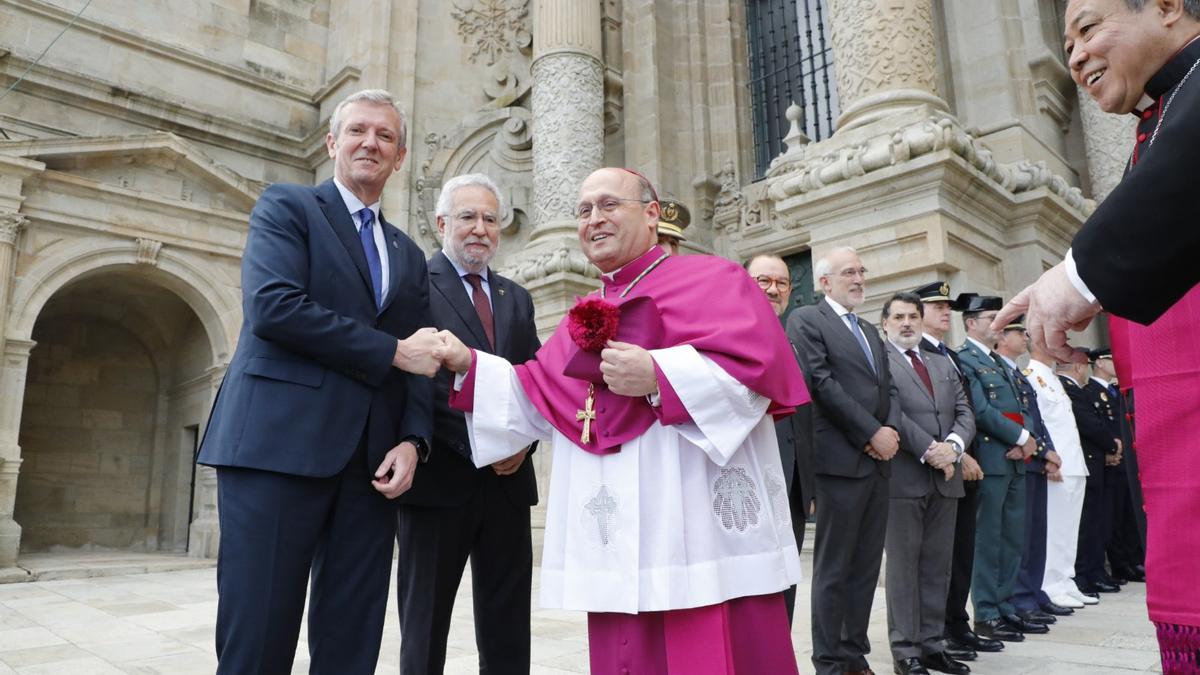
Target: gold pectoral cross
(587, 415)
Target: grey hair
(1192, 7)
(376, 96)
(824, 266)
(445, 200)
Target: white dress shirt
(354, 205)
(844, 314)
(462, 276)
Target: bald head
(618, 218)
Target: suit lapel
(391, 237)
(445, 279)
(343, 226)
(502, 310)
(897, 355)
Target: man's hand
(414, 354)
(509, 466)
(940, 455)
(872, 453)
(971, 469)
(1054, 458)
(1112, 460)
(628, 369)
(452, 353)
(885, 442)
(1029, 449)
(1054, 473)
(395, 474)
(948, 471)
(1051, 306)
(1120, 446)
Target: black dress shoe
(998, 629)
(910, 666)
(943, 663)
(1105, 587)
(1057, 610)
(1090, 589)
(1038, 616)
(1110, 580)
(969, 641)
(961, 654)
(1017, 623)
(1128, 573)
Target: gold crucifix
(587, 415)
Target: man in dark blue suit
(455, 510)
(316, 427)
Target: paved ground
(138, 619)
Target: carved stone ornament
(11, 225)
(147, 253)
(492, 27)
(929, 135)
(882, 44)
(568, 137)
(568, 260)
(1108, 139)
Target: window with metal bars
(791, 60)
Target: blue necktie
(862, 340)
(942, 349)
(366, 235)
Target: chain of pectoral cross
(588, 414)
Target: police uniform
(1000, 426)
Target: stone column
(885, 58)
(205, 535)
(1108, 139)
(13, 368)
(568, 111)
(11, 225)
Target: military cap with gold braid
(938, 291)
(673, 219)
(1017, 324)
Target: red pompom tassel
(592, 322)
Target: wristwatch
(421, 446)
(958, 449)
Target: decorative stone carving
(147, 253)
(1109, 140)
(568, 260)
(496, 27)
(426, 187)
(929, 135)
(568, 143)
(885, 56)
(11, 225)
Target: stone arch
(63, 263)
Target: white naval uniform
(1064, 501)
(683, 516)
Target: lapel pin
(500, 291)
(394, 244)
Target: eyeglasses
(851, 272)
(764, 282)
(469, 217)
(604, 204)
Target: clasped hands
(942, 457)
(884, 444)
(1021, 452)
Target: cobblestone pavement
(136, 619)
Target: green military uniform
(1000, 523)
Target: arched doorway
(117, 389)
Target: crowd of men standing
(975, 476)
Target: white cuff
(459, 378)
(1076, 280)
(1024, 437)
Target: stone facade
(132, 153)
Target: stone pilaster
(13, 368)
(1108, 139)
(205, 534)
(11, 225)
(885, 56)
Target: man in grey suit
(936, 424)
(856, 415)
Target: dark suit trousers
(435, 543)
(920, 544)
(275, 529)
(1000, 534)
(1028, 595)
(1093, 533)
(797, 502)
(962, 564)
(851, 527)
(1125, 543)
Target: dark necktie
(941, 347)
(482, 307)
(862, 340)
(922, 371)
(366, 235)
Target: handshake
(428, 349)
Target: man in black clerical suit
(453, 509)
